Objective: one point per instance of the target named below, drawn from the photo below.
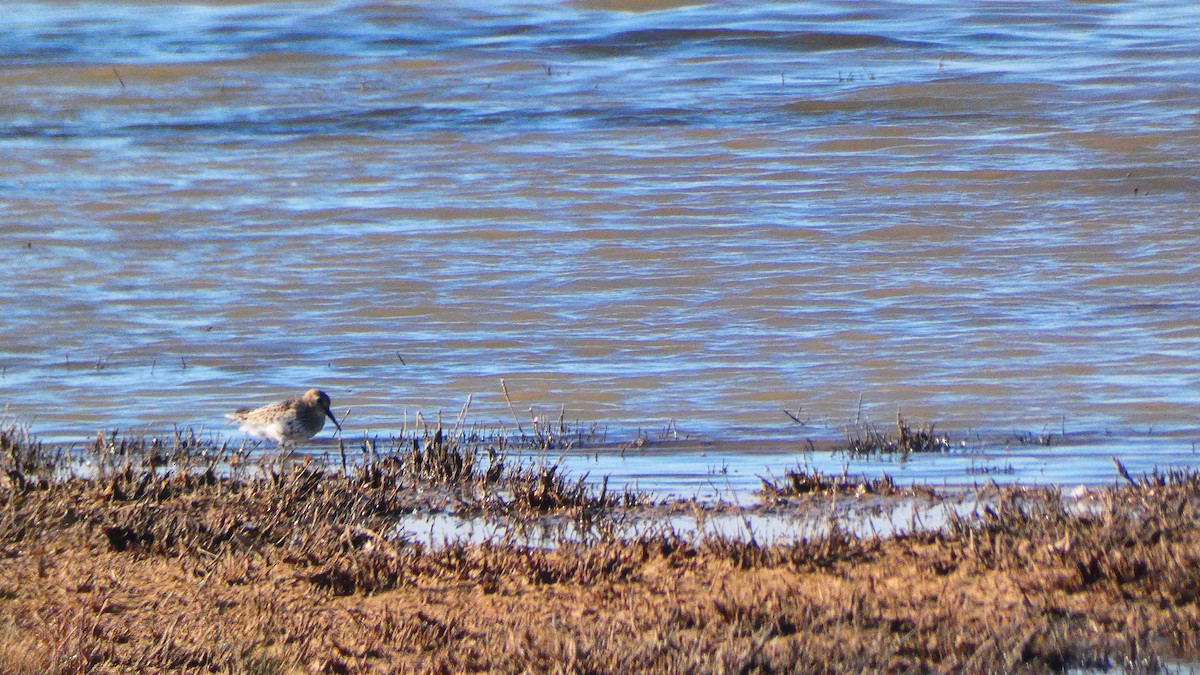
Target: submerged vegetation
(136, 554)
(864, 439)
(809, 482)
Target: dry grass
(185, 566)
(865, 440)
(804, 481)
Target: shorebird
(287, 422)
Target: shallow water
(882, 520)
(983, 217)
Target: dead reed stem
(511, 409)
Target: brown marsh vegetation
(865, 439)
(177, 555)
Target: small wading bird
(287, 422)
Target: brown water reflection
(632, 215)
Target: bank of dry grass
(178, 566)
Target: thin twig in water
(510, 407)
(462, 414)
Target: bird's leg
(286, 451)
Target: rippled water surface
(983, 216)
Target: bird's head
(323, 402)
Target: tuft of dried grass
(805, 481)
(866, 440)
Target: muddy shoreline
(172, 556)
